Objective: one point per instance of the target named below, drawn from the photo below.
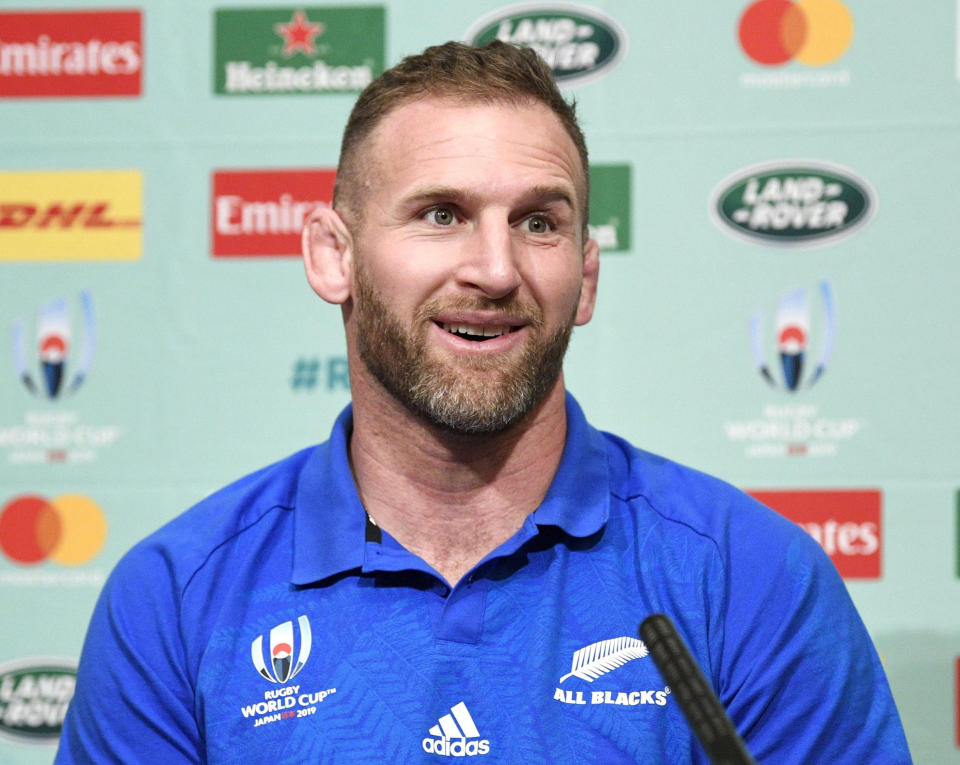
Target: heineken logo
(34, 695)
(578, 43)
(792, 203)
(610, 207)
(302, 50)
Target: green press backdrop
(775, 191)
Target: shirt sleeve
(799, 673)
(134, 700)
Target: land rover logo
(578, 43)
(792, 203)
(34, 694)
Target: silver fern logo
(597, 659)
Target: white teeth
(476, 331)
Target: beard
(469, 395)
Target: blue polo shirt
(274, 623)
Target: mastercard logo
(69, 529)
(813, 32)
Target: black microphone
(700, 705)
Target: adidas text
(457, 747)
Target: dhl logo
(61, 215)
(71, 215)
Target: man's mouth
(476, 332)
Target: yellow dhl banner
(71, 215)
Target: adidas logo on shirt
(456, 735)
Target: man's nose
(490, 261)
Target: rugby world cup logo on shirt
(578, 43)
(275, 662)
(792, 203)
(278, 666)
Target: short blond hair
(494, 73)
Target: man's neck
(451, 498)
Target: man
(460, 570)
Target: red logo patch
(261, 212)
(846, 523)
(47, 54)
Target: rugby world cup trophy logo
(54, 348)
(278, 666)
(793, 327)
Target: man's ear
(328, 255)
(588, 288)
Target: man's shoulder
(223, 517)
(682, 497)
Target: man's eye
(442, 216)
(537, 224)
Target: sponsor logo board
(53, 358)
(297, 50)
(792, 203)
(800, 336)
(792, 330)
(69, 529)
(54, 348)
(610, 191)
(261, 212)
(278, 667)
(578, 42)
(34, 695)
(456, 735)
(810, 34)
(49, 54)
(846, 522)
(70, 215)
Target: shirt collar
(578, 500)
(329, 522)
(329, 527)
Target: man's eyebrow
(536, 195)
(540, 195)
(427, 194)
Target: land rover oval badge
(578, 43)
(792, 203)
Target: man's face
(469, 260)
